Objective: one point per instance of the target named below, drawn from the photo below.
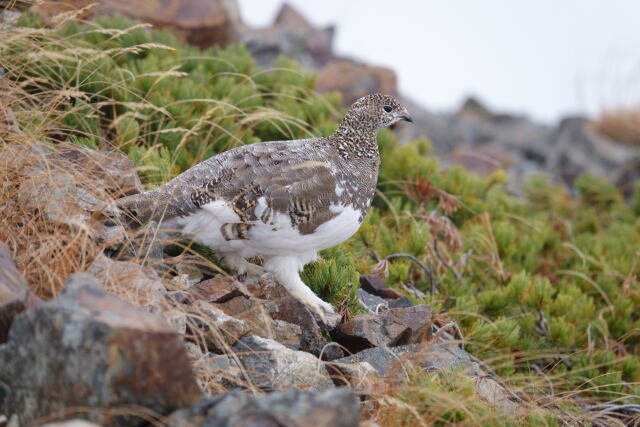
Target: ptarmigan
(280, 201)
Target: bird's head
(377, 111)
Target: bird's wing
(258, 181)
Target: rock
(15, 295)
(217, 290)
(392, 327)
(271, 300)
(129, 280)
(56, 195)
(90, 349)
(355, 80)
(112, 171)
(391, 362)
(402, 302)
(177, 319)
(147, 246)
(372, 303)
(203, 23)
(575, 150)
(223, 371)
(220, 330)
(189, 272)
(360, 376)
(374, 285)
(443, 355)
(272, 366)
(481, 159)
(338, 407)
(291, 35)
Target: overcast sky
(546, 58)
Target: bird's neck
(356, 140)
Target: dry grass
(620, 125)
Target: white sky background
(545, 58)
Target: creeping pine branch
(432, 281)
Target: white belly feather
(266, 240)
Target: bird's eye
(387, 108)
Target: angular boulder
(355, 80)
(272, 366)
(113, 170)
(338, 407)
(218, 289)
(203, 23)
(90, 349)
(392, 327)
(270, 301)
(391, 362)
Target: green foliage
(165, 104)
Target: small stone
(217, 290)
(191, 271)
(104, 351)
(272, 366)
(395, 326)
(372, 303)
(177, 319)
(402, 302)
(360, 376)
(220, 330)
(374, 285)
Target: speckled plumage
(281, 201)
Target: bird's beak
(406, 116)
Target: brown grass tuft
(620, 125)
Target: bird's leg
(285, 269)
(241, 265)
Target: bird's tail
(135, 210)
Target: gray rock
(402, 302)
(576, 150)
(90, 349)
(374, 285)
(390, 363)
(290, 35)
(443, 355)
(270, 300)
(392, 327)
(272, 366)
(338, 407)
(360, 376)
(372, 303)
(15, 295)
(129, 278)
(220, 330)
(218, 289)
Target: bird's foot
(241, 266)
(254, 270)
(327, 314)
